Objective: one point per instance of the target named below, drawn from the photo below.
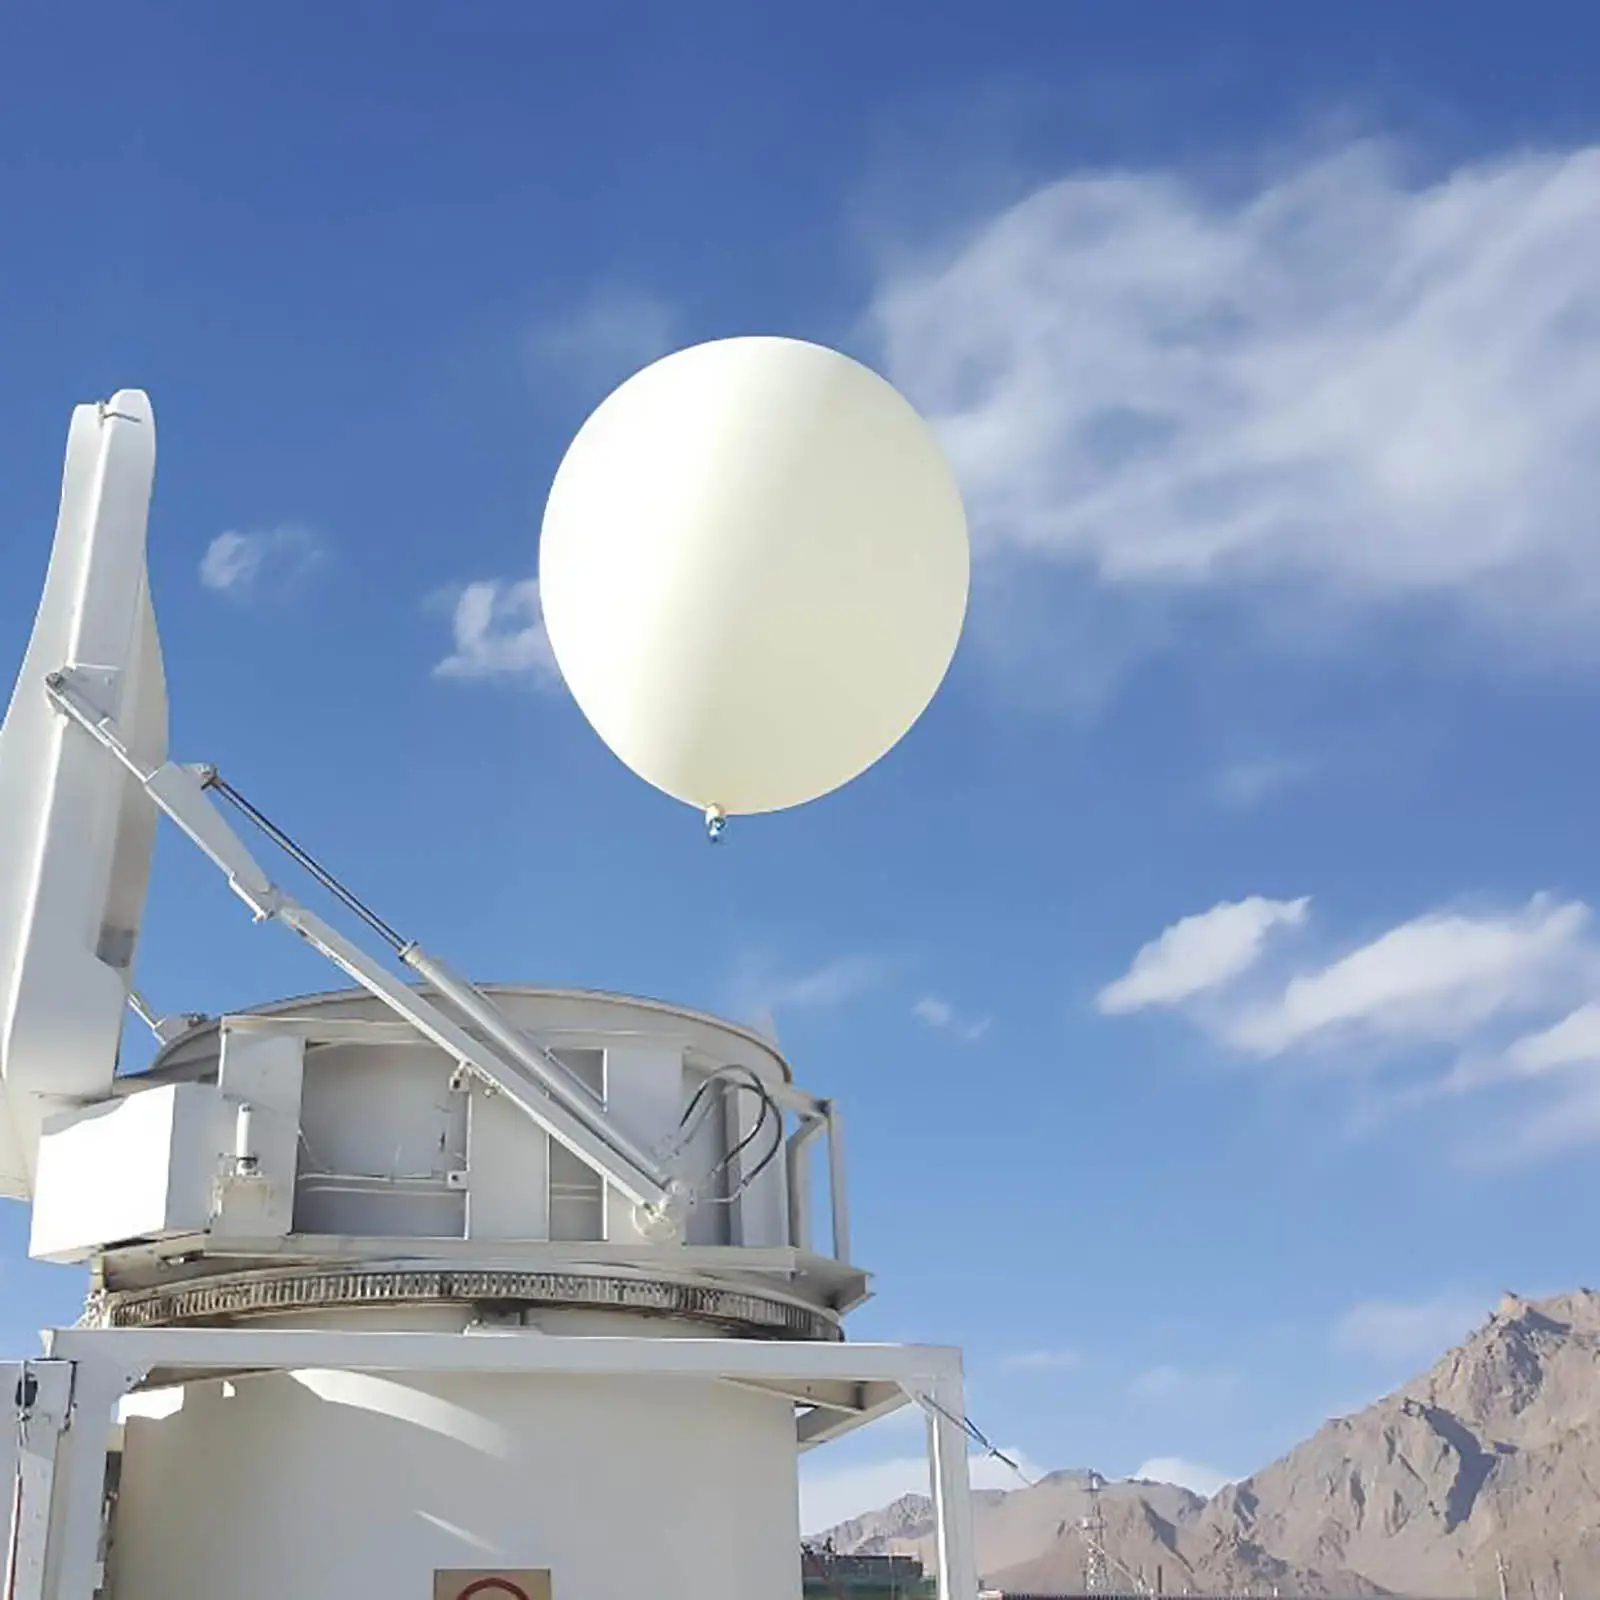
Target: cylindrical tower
(367, 1183)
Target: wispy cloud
(267, 562)
(499, 634)
(1169, 1384)
(1449, 1003)
(1574, 1041)
(1438, 977)
(1192, 1475)
(1416, 1331)
(1566, 1111)
(1050, 1360)
(760, 989)
(1342, 386)
(1200, 953)
(1244, 785)
(607, 337)
(940, 1015)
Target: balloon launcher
(421, 1286)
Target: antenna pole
(1094, 1529)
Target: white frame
(839, 1387)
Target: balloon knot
(716, 823)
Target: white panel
(644, 1092)
(263, 1071)
(508, 1172)
(382, 1132)
(79, 831)
(577, 1198)
(141, 1167)
(267, 1069)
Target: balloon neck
(716, 823)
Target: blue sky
(1205, 977)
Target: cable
(772, 1153)
(699, 1108)
(749, 1139)
(755, 1171)
(215, 780)
(980, 1438)
(733, 1069)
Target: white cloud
(829, 1496)
(1244, 785)
(1439, 977)
(617, 330)
(1200, 953)
(1366, 386)
(1192, 1475)
(1566, 1052)
(1561, 1066)
(941, 1015)
(1571, 1042)
(759, 989)
(1419, 1331)
(271, 560)
(829, 985)
(499, 633)
(1510, 999)
(1561, 1122)
(1058, 1360)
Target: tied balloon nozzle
(716, 823)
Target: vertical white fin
(75, 856)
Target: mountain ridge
(1490, 1457)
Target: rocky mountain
(1488, 1462)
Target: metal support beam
(179, 794)
(174, 1351)
(518, 1086)
(952, 1491)
(476, 1009)
(41, 1393)
(72, 1559)
(797, 1161)
(820, 1425)
(838, 1191)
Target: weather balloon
(754, 568)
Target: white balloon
(754, 568)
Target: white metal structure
(78, 832)
(399, 1281)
